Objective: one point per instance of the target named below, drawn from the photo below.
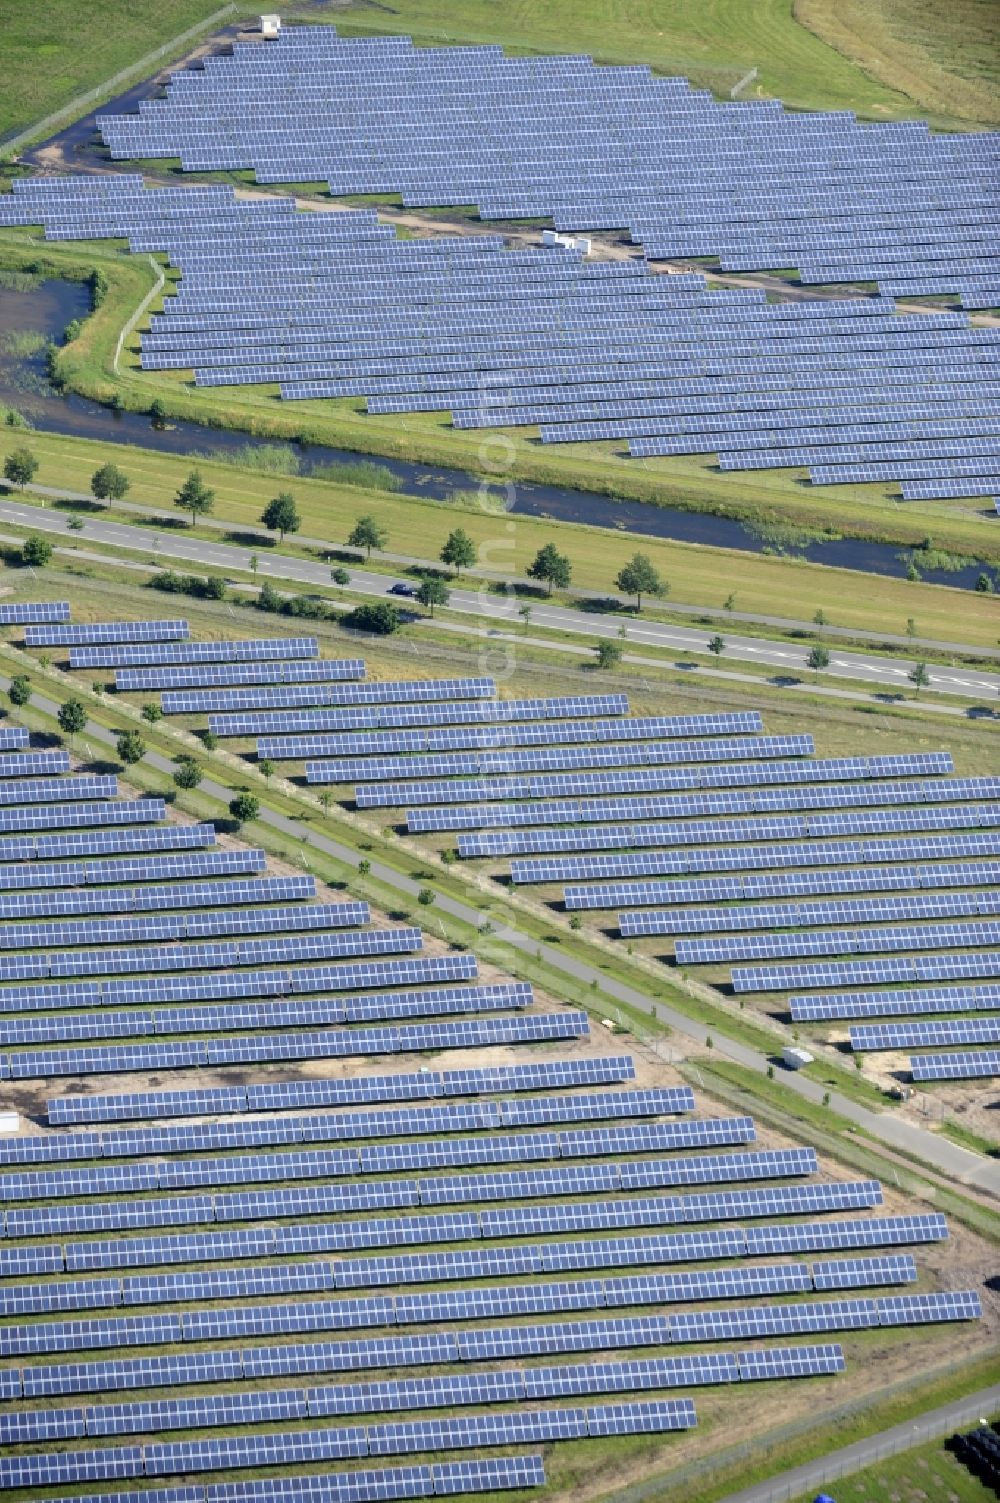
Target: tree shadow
(78, 504)
(604, 605)
(249, 539)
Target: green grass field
(813, 55)
(697, 575)
(53, 52)
(943, 57)
(884, 60)
(929, 1474)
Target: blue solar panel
(163, 653)
(301, 670)
(970, 1064)
(20, 613)
(105, 631)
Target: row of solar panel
(725, 402)
(498, 1386)
(225, 984)
(286, 1447)
(42, 901)
(175, 957)
(805, 916)
(407, 1121)
(31, 764)
(751, 801)
(330, 1163)
(42, 1338)
(638, 780)
(509, 1221)
(474, 328)
(556, 758)
(869, 971)
(961, 1065)
(444, 1479)
(292, 696)
(197, 924)
(312, 329)
(300, 670)
(916, 1035)
(35, 789)
(97, 632)
(483, 1343)
(29, 612)
(268, 1015)
(748, 859)
(262, 1241)
(155, 653)
(782, 884)
(575, 733)
(334, 1043)
(455, 712)
(287, 1095)
(172, 837)
(149, 1174)
(542, 840)
(196, 1285)
(898, 1003)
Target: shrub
(381, 619)
(36, 552)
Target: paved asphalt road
(478, 573)
(957, 1163)
(881, 673)
(802, 1480)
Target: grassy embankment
(507, 457)
(417, 528)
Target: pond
(30, 318)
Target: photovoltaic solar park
(307, 1189)
(701, 835)
(499, 792)
(847, 384)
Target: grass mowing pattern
(945, 58)
(714, 42)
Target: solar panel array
(968, 1064)
(591, 147)
(30, 612)
(849, 390)
(97, 632)
(198, 961)
(229, 1237)
(880, 887)
(372, 1310)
